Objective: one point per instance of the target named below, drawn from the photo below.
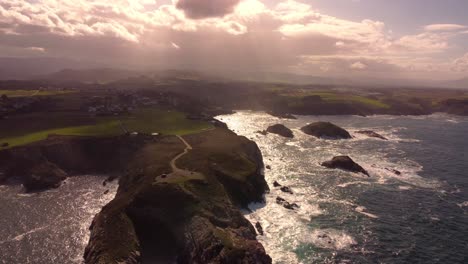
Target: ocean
(419, 216)
(50, 226)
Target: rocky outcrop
(344, 163)
(281, 130)
(192, 217)
(184, 218)
(42, 176)
(236, 162)
(286, 204)
(326, 130)
(370, 133)
(46, 163)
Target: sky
(413, 39)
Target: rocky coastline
(187, 216)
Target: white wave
(409, 172)
(361, 210)
(390, 133)
(464, 204)
(346, 184)
(330, 239)
(21, 236)
(404, 188)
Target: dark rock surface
(326, 130)
(179, 218)
(370, 133)
(182, 218)
(281, 130)
(286, 204)
(44, 164)
(259, 228)
(276, 184)
(286, 189)
(344, 163)
(396, 172)
(44, 176)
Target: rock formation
(370, 133)
(325, 130)
(344, 163)
(188, 216)
(281, 130)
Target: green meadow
(295, 95)
(26, 93)
(143, 121)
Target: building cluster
(9, 105)
(121, 103)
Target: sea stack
(344, 163)
(326, 130)
(281, 130)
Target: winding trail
(179, 174)
(186, 150)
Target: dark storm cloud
(199, 9)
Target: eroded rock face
(326, 130)
(344, 163)
(370, 133)
(44, 176)
(281, 130)
(179, 217)
(46, 163)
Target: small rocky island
(179, 198)
(326, 130)
(344, 163)
(281, 130)
(371, 134)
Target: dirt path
(179, 174)
(186, 150)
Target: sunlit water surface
(420, 216)
(51, 226)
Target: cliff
(188, 213)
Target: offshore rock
(281, 130)
(326, 130)
(344, 163)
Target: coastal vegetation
(25, 129)
(27, 93)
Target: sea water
(50, 226)
(419, 216)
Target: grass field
(143, 121)
(25, 93)
(328, 96)
(163, 121)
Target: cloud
(285, 35)
(426, 42)
(200, 9)
(37, 49)
(444, 27)
(358, 66)
(175, 46)
(461, 64)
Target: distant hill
(13, 68)
(461, 83)
(102, 75)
